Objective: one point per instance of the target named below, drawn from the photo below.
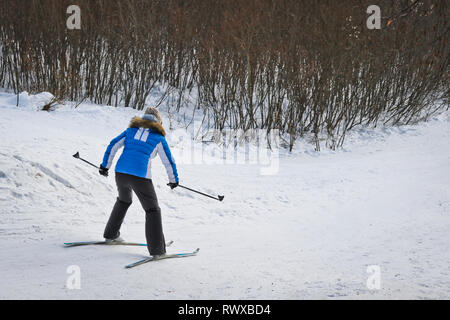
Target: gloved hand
(173, 185)
(103, 171)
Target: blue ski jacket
(142, 141)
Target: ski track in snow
(308, 232)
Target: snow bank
(25, 100)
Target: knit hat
(152, 114)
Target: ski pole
(220, 198)
(77, 156)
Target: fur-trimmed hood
(138, 122)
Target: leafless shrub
(302, 67)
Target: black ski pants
(144, 190)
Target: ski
(166, 256)
(109, 243)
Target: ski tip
(135, 264)
(129, 266)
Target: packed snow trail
(309, 231)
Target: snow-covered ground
(315, 229)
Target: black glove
(103, 171)
(173, 185)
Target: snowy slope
(309, 231)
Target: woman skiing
(142, 141)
